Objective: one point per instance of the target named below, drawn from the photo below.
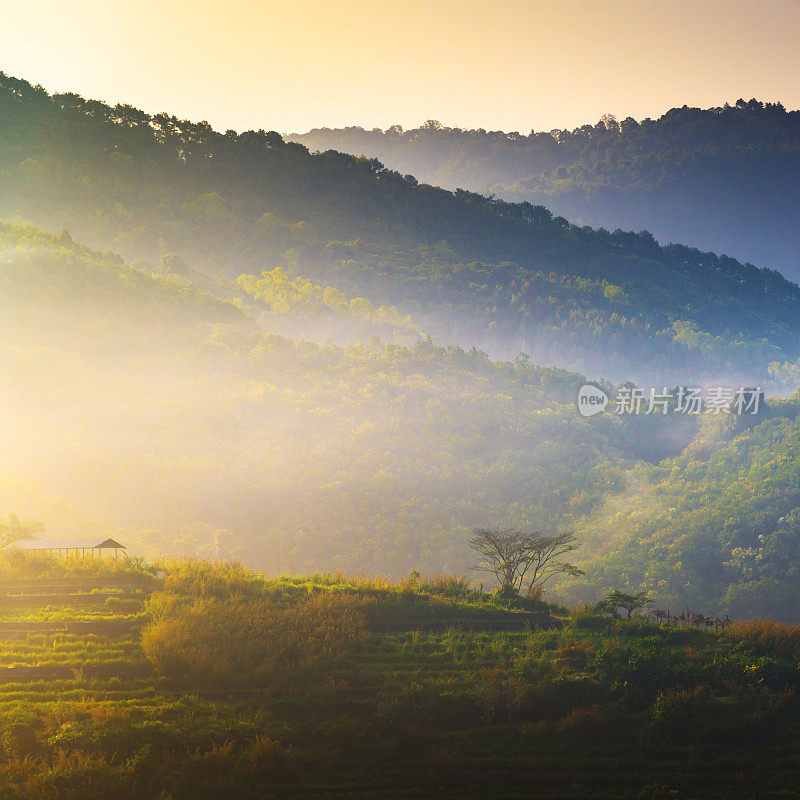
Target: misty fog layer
(140, 408)
(282, 371)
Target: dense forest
(721, 179)
(719, 523)
(170, 418)
(179, 199)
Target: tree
(12, 528)
(629, 602)
(514, 556)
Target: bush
(498, 694)
(588, 619)
(682, 711)
(195, 578)
(449, 586)
(240, 641)
(19, 740)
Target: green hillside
(717, 526)
(470, 270)
(164, 416)
(136, 403)
(141, 405)
(359, 688)
(299, 309)
(48, 280)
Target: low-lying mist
(138, 407)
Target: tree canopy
(468, 269)
(519, 559)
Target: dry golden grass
(774, 638)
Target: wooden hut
(69, 547)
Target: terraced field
(70, 631)
(464, 699)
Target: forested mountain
(467, 269)
(165, 417)
(137, 404)
(51, 283)
(143, 408)
(721, 179)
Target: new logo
(591, 400)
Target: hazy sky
(506, 64)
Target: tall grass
(767, 638)
(21, 566)
(239, 642)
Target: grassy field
(214, 683)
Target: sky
(506, 64)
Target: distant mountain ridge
(721, 179)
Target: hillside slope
(142, 406)
(52, 286)
(210, 681)
(469, 269)
(716, 526)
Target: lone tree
(629, 602)
(515, 557)
(13, 528)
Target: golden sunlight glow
(507, 64)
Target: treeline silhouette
(719, 178)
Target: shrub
(268, 754)
(684, 711)
(449, 586)
(575, 654)
(588, 619)
(209, 579)
(498, 693)
(19, 740)
(239, 641)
